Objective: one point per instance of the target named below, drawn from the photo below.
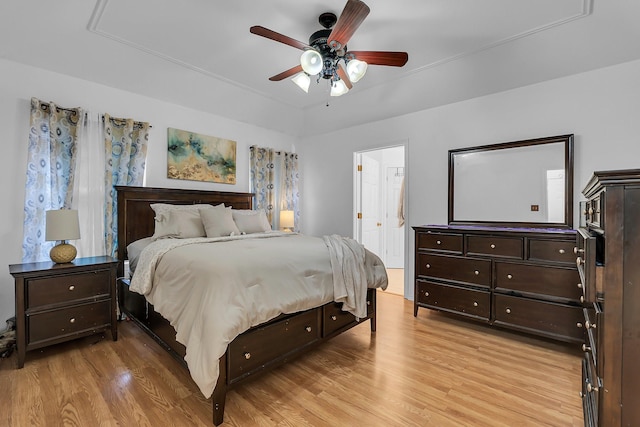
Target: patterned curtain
(125, 154)
(51, 163)
(274, 180)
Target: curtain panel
(51, 164)
(125, 154)
(274, 182)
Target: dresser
(60, 302)
(523, 279)
(608, 259)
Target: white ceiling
(200, 54)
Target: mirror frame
(568, 191)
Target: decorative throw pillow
(250, 221)
(185, 223)
(162, 226)
(218, 221)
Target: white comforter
(213, 289)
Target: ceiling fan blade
(350, 19)
(392, 59)
(283, 75)
(344, 77)
(270, 34)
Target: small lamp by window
(62, 225)
(286, 220)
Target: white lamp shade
(286, 219)
(302, 80)
(339, 88)
(311, 61)
(356, 70)
(62, 224)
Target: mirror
(513, 184)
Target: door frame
(357, 204)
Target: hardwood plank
(433, 370)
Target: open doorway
(380, 208)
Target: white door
(394, 232)
(371, 222)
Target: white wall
(19, 83)
(601, 107)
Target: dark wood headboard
(136, 218)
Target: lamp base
(63, 253)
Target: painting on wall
(196, 157)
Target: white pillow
(185, 223)
(218, 221)
(162, 226)
(250, 221)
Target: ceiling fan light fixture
(356, 70)
(338, 88)
(311, 61)
(302, 80)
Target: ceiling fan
(326, 52)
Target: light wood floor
(396, 281)
(433, 370)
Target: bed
(261, 347)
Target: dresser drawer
(585, 258)
(510, 247)
(589, 394)
(593, 319)
(545, 318)
(256, 347)
(552, 250)
(52, 325)
(469, 302)
(561, 282)
(67, 288)
(459, 269)
(445, 242)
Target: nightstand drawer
(53, 324)
(66, 288)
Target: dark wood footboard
(256, 351)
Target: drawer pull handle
(475, 304)
(71, 288)
(476, 272)
(368, 302)
(428, 265)
(438, 242)
(577, 251)
(308, 329)
(509, 276)
(589, 325)
(591, 388)
(247, 355)
(426, 294)
(579, 261)
(508, 310)
(561, 251)
(585, 348)
(581, 299)
(579, 285)
(334, 317)
(579, 325)
(72, 320)
(493, 246)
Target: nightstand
(61, 302)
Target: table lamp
(286, 220)
(62, 225)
